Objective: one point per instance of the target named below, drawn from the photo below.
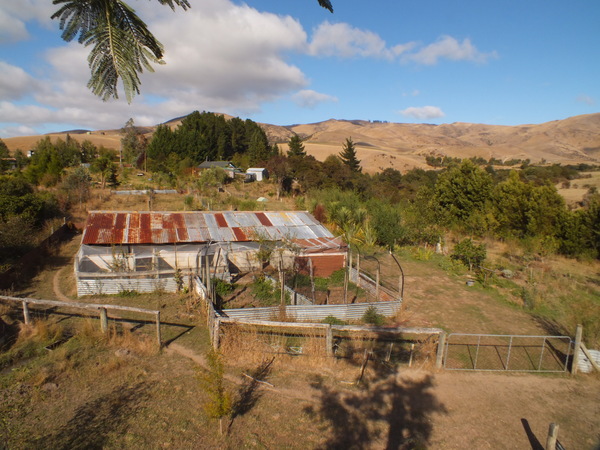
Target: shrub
(371, 316)
(332, 320)
(469, 254)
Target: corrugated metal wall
(304, 313)
(118, 285)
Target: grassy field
(65, 385)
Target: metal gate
(518, 353)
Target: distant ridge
(402, 146)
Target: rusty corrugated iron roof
(153, 227)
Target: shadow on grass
(396, 413)
(93, 423)
(249, 394)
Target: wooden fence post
(552, 436)
(26, 315)
(329, 340)
(158, 335)
(575, 362)
(216, 334)
(440, 350)
(103, 320)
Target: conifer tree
(348, 156)
(296, 146)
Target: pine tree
(296, 146)
(348, 156)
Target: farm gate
(518, 353)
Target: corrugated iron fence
(489, 352)
(303, 313)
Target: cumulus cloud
(450, 48)
(308, 98)
(223, 57)
(345, 41)
(15, 82)
(423, 112)
(14, 15)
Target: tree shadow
(248, 394)
(393, 411)
(533, 440)
(92, 423)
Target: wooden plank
(95, 306)
(587, 353)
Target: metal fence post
(440, 350)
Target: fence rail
(102, 310)
(518, 353)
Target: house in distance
(149, 251)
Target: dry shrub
(40, 331)
(137, 343)
(425, 353)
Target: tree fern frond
(325, 4)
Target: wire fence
(519, 353)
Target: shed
(148, 251)
(258, 173)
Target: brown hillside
(403, 146)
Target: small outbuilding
(150, 251)
(257, 173)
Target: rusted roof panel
(130, 227)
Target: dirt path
(56, 287)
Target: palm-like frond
(326, 4)
(122, 45)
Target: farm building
(258, 173)
(148, 251)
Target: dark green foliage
(372, 317)
(462, 191)
(387, 222)
(348, 156)
(50, 159)
(332, 320)
(207, 137)
(223, 288)
(296, 147)
(470, 254)
(263, 289)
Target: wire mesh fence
(520, 353)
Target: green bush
(469, 254)
(372, 317)
(332, 320)
(223, 288)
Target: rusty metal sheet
(114, 228)
(264, 220)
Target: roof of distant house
(221, 164)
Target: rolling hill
(404, 146)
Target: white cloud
(15, 82)
(423, 112)
(586, 99)
(20, 130)
(14, 14)
(448, 47)
(345, 41)
(308, 98)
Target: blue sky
(291, 61)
